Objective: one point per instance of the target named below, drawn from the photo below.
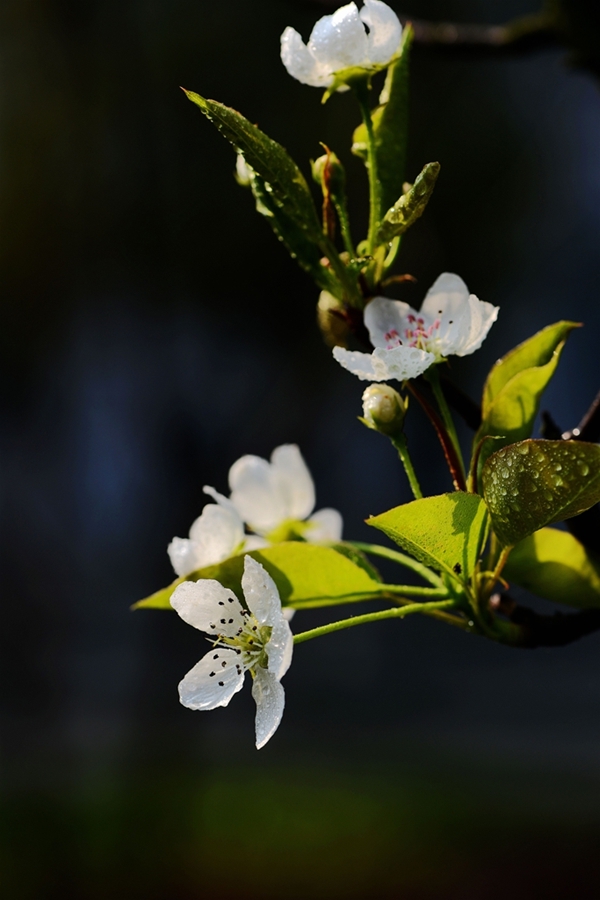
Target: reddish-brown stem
(444, 438)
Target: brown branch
(536, 630)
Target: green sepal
(553, 564)
(390, 125)
(269, 160)
(410, 206)
(306, 575)
(515, 384)
(533, 483)
(446, 533)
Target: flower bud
(331, 320)
(243, 172)
(383, 409)
(328, 171)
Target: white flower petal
(260, 592)
(208, 606)
(256, 494)
(300, 62)
(270, 700)
(401, 363)
(483, 316)
(360, 364)
(294, 481)
(384, 317)
(326, 527)
(288, 613)
(217, 534)
(213, 681)
(339, 41)
(385, 31)
(223, 501)
(183, 554)
(280, 646)
(464, 320)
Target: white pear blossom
(274, 496)
(257, 639)
(451, 322)
(274, 499)
(216, 534)
(367, 39)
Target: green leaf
(160, 599)
(269, 160)
(536, 351)
(390, 124)
(306, 575)
(410, 206)
(534, 483)
(446, 532)
(555, 565)
(514, 388)
(304, 251)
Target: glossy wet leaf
(446, 532)
(555, 565)
(390, 125)
(306, 575)
(410, 206)
(303, 250)
(533, 483)
(269, 160)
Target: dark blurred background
(153, 331)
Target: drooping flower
(450, 322)
(276, 498)
(341, 41)
(256, 640)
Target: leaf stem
(401, 558)
(353, 294)
(361, 89)
(395, 613)
(401, 446)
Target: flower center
(249, 642)
(417, 335)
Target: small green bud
(383, 409)
(328, 171)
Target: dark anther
(230, 599)
(223, 621)
(231, 621)
(457, 568)
(212, 674)
(221, 603)
(223, 664)
(221, 684)
(216, 656)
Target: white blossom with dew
(346, 39)
(256, 640)
(270, 495)
(450, 322)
